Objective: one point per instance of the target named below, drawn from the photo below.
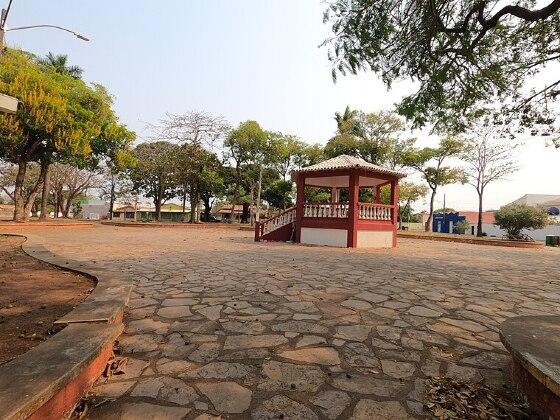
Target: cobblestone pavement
(219, 325)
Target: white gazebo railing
(326, 210)
(278, 221)
(373, 211)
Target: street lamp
(8, 103)
(77, 35)
(4, 18)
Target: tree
(342, 144)
(68, 183)
(286, 150)
(375, 137)
(279, 194)
(59, 62)
(113, 186)
(514, 218)
(246, 144)
(155, 171)
(462, 226)
(409, 193)
(487, 160)
(429, 162)
(197, 176)
(309, 155)
(8, 175)
(462, 54)
(347, 122)
(193, 127)
(62, 119)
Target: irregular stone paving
(220, 326)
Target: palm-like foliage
(347, 122)
(60, 64)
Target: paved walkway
(219, 325)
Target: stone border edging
(10, 224)
(52, 377)
(532, 341)
(491, 242)
(173, 225)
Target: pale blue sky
(243, 59)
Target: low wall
(537, 235)
(445, 237)
(48, 381)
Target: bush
(516, 217)
(462, 227)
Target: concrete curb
(48, 381)
(491, 242)
(175, 225)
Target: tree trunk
(252, 206)
(112, 197)
(45, 193)
(245, 214)
(192, 200)
(157, 203)
(184, 201)
(207, 207)
(19, 200)
(259, 188)
(428, 226)
(479, 225)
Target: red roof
(472, 217)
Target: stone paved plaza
(220, 325)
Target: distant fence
(412, 226)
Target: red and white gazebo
(351, 223)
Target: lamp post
(3, 30)
(8, 103)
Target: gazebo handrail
(317, 203)
(362, 203)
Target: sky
(243, 59)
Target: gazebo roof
(347, 162)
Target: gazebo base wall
(321, 236)
(366, 238)
(375, 239)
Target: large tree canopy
(464, 54)
(59, 118)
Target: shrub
(462, 226)
(516, 217)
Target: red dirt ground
(33, 295)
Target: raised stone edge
(72, 382)
(490, 242)
(39, 376)
(547, 378)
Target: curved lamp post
(7, 103)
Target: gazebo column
(377, 198)
(395, 203)
(300, 201)
(334, 195)
(353, 196)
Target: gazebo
(342, 223)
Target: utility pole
(445, 224)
